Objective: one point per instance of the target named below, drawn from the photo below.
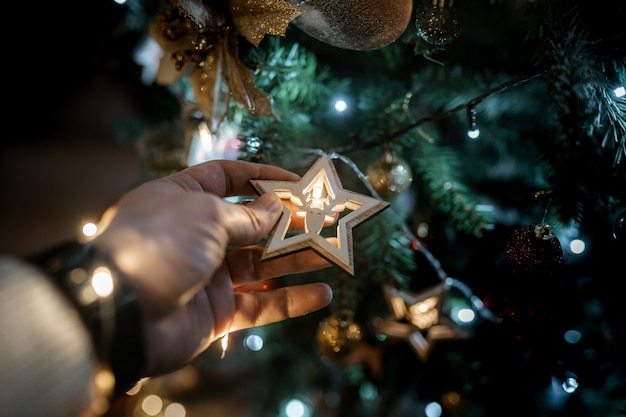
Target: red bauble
(533, 249)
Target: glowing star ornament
(420, 319)
(320, 199)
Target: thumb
(261, 215)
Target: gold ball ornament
(338, 334)
(439, 22)
(354, 24)
(389, 175)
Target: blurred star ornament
(320, 199)
(421, 319)
(354, 24)
(338, 334)
(439, 22)
(533, 249)
(389, 175)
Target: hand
(192, 260)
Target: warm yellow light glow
(317, 190)
(90, 229)
(87, 295)
(202, 146)
(398, 306)
(175, 410)
(224, 345)
(424, 314)
(317, 210)
(152, 405)
(452, 398)
(318, 195)
(102, 281)
(104, 380)
(136, 388)
(316, 219)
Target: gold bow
(200, 41)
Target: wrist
(106, 303)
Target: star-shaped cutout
(320, 199)
(421, 319)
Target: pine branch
(464, 106)
(439, 174)
(586, 171)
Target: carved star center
(320, 198)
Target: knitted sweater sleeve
(47, 361)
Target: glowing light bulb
(317, 210)
(433, 409)
(254, 342)
(152, 405)
(102, 281)
(318, 196)
(466, 315)
(175, 410)
(577, 246)
(341, 106)
(424, 314)
(296, 408)
(473, 133)
(90, 229)
(569, 385)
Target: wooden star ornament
(421, 319)
(320, 200)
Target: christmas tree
(495, 130)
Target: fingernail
(246, 201)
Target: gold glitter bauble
(389, 175)
(354, 24)
(439, 22)
(338, 334)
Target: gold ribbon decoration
(200, 41)
(256, 18)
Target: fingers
(228, 178)
(246, 266)
(247, 224)
(259, 308)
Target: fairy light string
(475, 301)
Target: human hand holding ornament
(193, 260)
